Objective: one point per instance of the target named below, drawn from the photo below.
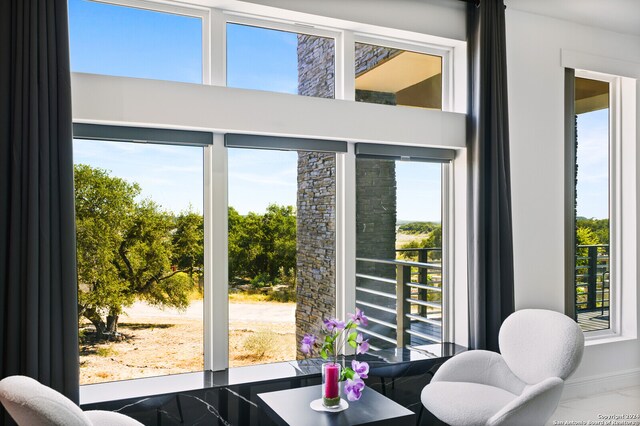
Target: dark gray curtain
(38, 294)
(490, 240)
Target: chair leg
(420, 415)
(159, 417)
(384, 387)
(179, 408)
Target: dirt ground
(159, 342)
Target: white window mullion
(218, 300)
(218, 48)
(348, 67)
(345, 232)
(207, 53)
(208, 259)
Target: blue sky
(593, 168)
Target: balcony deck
(595, 320)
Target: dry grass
(164, 344)
(402, 239)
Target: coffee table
(291, 407)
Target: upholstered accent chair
(540, 350)
(33, 404)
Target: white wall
(536, 109)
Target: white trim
(458, 287)
(271, 23)
(168, 104)
(447, 277)
(219, 300)
(348, 70)
(218, 49)
(160, 6)
(615, 196)
(600, 64)
(208, 258)
(622, 191)
(346, 235)
(592, 385)
(402, 44)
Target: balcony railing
(592, 278)
(403, 299)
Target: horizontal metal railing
(416, 293)
(592, 278)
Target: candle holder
(331, 385)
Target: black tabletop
(291, 407)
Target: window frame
(446, 158)
(615, 200)
(159, 136)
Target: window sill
(607, 338)
(383, 362)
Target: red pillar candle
(332, 374)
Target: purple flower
(359, 318)
(334, 324)
(353, 388)
(363, 345)
(360, 368)
(307, 343)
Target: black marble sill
(384, 363)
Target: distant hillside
(417, 227)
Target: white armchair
(31, 403)
(540, 350)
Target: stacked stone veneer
(316, 205)
(316, 202)
(316, 242)
(316, 66)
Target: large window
(140, 245)
(593, 149)
(275, 211)
(400, 273)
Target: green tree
(129, 250)
(188, 242)
(598, 227)
(262, 246)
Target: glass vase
(331, 385)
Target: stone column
(376, 198)
(316, 206)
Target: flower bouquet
(336, 334)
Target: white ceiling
(622, 16)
